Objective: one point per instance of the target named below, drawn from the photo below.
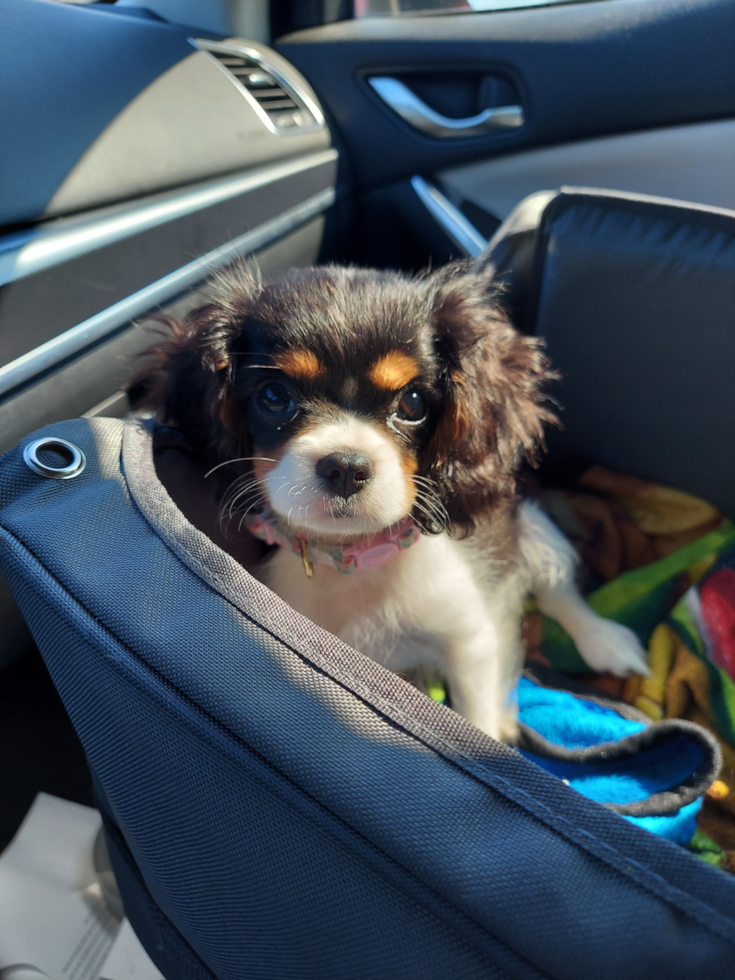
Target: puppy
(377, 423)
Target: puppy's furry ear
(192, 371)
(495, 406)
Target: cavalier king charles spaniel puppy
(375, 423)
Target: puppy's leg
(551, 561)
(473, 676)
(482, 667)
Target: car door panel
(63, 272)
(689, 163)
(580, 70)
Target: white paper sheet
(128, 960)
(53, 919)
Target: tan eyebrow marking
(393, 371)
(302, 365)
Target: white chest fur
(438, 602)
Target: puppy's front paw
(609, 646)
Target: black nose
(345, 473)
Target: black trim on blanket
(655, 734)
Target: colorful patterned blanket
(663, 563)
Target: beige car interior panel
(689, 163)
(192, 122)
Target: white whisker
(240, 459)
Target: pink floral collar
(372, 552)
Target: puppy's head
(353, 398)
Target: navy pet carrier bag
(276, 805)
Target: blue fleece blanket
(634, 780)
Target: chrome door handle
(419, 115)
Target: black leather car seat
(636, 298)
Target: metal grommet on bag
(76, 460)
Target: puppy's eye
(412, 407)
(274, 399)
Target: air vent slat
(269, 93)
(281, 103)
(282, 106)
